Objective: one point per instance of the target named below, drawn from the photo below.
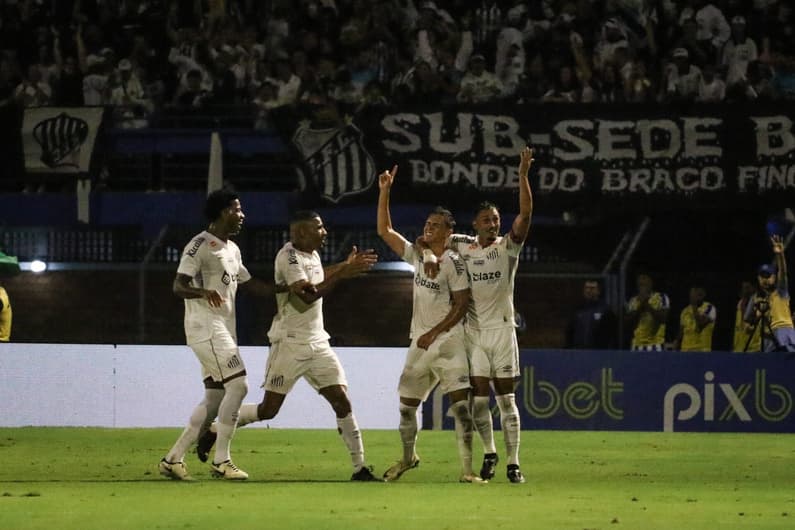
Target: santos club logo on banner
(60, 140)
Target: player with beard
(299, 342)
(490, 329)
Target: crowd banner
(648, 391)
(60, 139)
(642, 156)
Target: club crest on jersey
(335, 160)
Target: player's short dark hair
(303, 215)
(485, 205)
(217, 201)
(449, 220)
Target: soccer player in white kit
(490, 330)
(437, 352)
(207, 278)
(299, 342)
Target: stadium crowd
(187, 55)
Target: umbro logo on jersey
(226, 279)
(493, 254)
(277, 381)
(234, 362)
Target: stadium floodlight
(38, 266)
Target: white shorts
(290, 361)
(219, 356)
(444, 362)
(493, 353)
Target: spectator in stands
(287, 83)
(712, 26)
(610, 88)
(479, 85)
(534, 83)
(194, 96)
(566, 89)
(95, 81)
(9, 79)
(129, 97)
(738, 51)
(426, 85)
(593, 324)
(67, 84)
(696, 323)
(646, 314)
(711, 88)
(33, 91)
(743, 340)
(699, 52)
(486, 24)
(682, 78)
(639, 87)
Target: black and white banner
(634, 157)
(60, 139)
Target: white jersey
(492, 273)
(291, 325)
(216, 265)
(433, 297)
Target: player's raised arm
(521, 224)
(392, 238)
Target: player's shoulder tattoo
(197, 243)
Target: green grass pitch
(90, 478)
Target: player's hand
(777, 242)
(387, 178)
(426, 340)
(431, 269)
(526, 160)
(302, 287)
(359, 262)
(213, 297)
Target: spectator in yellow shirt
(696, 323)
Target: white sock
(352, 437)
(248, 414)
(463, 433)
(408, 431)
(509, 418)
(202, 415)
(213, 397)
(236, 390)
(481, 415)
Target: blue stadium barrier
(648, 391)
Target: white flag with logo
(60, 139)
